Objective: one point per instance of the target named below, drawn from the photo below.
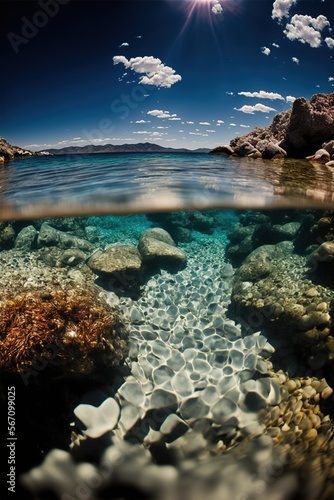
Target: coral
(71, 332)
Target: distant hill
(146, 147)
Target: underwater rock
(68, 334)
(270, 288)
(180, 224)
(322, 258)
(98, 420)
(157, 248)
(117, 259)
(49, 236)
(26, 238)
(72, 257)
(7, 235)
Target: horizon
(175, 73)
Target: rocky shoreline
(305, 131)
(9, 152)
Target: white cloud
(182, 131)
(162, 127)
(204, 123)
(281, 8)
(295, 60)
(76, 138)
(141, 121)
(331, 79)
(265, 51)
(211, 131)
(220, 121)
(124, 44)
(306, 29)
(141, 132)
(329, 42)
(275, 45)
(251, 109)
(233, 124)
(230, 93)
(159, 113)
(217, 8)
(190, 123)
(262, 94)
(244, 126)
(290, 98)
(155, 72)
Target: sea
(166, 328)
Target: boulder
(7, 235)
(26, 238)
(49, 236)
(157, 248)
(120, 259)
(245, 149)
(320, 156)
(273, 150)
(223, 150)
(301, 131)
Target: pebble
(310, 435)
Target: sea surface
(127, 183)
(166, 328)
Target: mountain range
(146, 147)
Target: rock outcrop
(296, 133)
(9, 152)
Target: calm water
(126, 183)
(225, 392)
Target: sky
(179, 73)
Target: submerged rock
(157, 248)
(49, 236)
(26, 238)
(117, 259)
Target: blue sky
(179, 73)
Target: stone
(157, 248)
(225, 150)
(49, 236)
(72, 257)
(7, 236)
(98, 420)
(132, 392)
(300, 132)
(245, 149)
(273, 150)
(26, 238)
(124, 260)
(320, 156)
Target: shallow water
(216, 381)
(127, 183)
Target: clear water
(127, 183)
(223, 393)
